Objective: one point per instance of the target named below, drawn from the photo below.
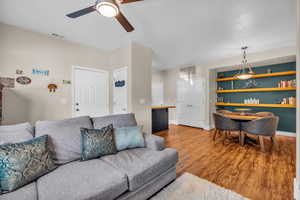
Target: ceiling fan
(107, 8)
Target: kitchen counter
(162, 107)
(160, 118)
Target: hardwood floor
(243, 169)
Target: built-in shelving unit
(261, 75)
(257, 105)
(262, 88)
(257, 90)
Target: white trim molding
(296, 189)
(173, 122)
(284, 133)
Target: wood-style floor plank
(244, 169)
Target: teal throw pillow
(129, 138)
(97, 142)
(22, 163)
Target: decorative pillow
(97, 142)
(65, 137)
(22, 163)
(129, 137)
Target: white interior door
(190, 102)
(90, 92)
(120, 91)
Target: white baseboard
(173, 122)
(284, 133)
(207, 128)
(296, 189)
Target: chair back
(225, 124)
(265, 114)
(265, 126)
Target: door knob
(77, 104)
(77, 110)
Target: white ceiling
(180, 32)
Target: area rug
(190, 187)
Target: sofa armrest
(155, 142)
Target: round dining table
(243, 117)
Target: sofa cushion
(28, 192)
(155, 142)
(97, 142)
(118, 121)
(16, 133)
(142, 165)
(22, 163)
(17, 127)
(93, 179)
(65, 137)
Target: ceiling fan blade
(82, 12)
(128, 1)
(124, 22)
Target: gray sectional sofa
(134, 174)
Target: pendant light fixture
(246, 71)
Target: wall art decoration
(41, 72)
(66, 82)
(120, 83)
(23, 80)
(19, 71)
(52, 87)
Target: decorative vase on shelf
(250, 84)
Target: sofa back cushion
(118, 121)
(16, 133)
(65, 137)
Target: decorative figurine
(52, 87)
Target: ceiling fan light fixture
(107, 8)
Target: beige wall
(170, 94)
(25, 50)
(138, 59)
(141, 74)
(157, 79)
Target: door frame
(75, 67)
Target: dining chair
(265, 114)
(224, 111)
(262, 127)
(224, 124)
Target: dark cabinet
(160, 120)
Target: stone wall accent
(5, 82)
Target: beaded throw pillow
(97, 142)
(22, 163)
